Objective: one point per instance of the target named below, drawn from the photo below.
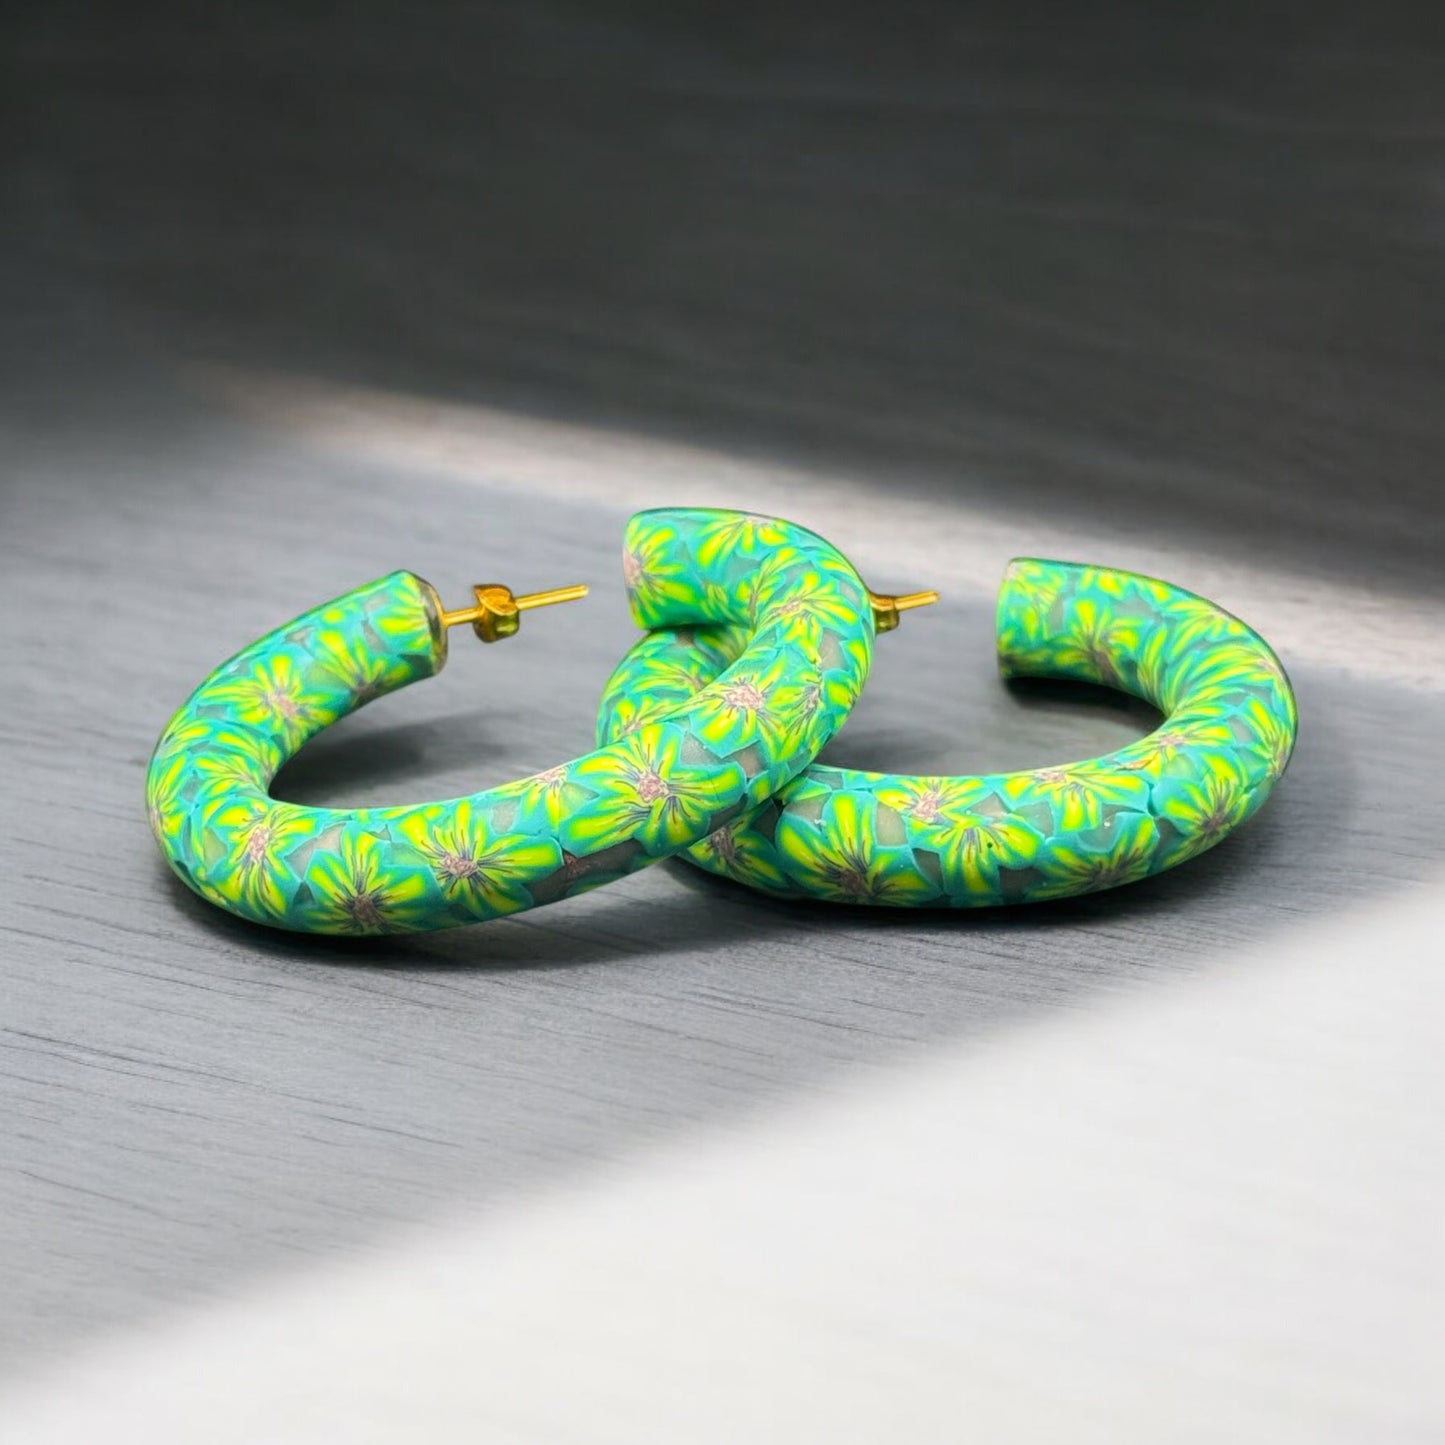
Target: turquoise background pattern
(801, 633)
(852, 836)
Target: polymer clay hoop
(804, 625)
(846, 835)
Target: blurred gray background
(296, 295)
(1095, 258)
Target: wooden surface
(291, 303)
(1206, 1211)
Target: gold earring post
(575, 593)
(886, 609)
(496, 613)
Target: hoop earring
(845, 835)
(804, 628)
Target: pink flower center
(283, 703)
(458, 866)
(652, 787)
(365, 909)
(257, 842)
(746, 695)
(926, 809)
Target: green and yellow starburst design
(355, 887)
(1125, 852)
(739, 534)
(644, 790)
(1205, 807)
(965, 823)
(1079, 794)
(1097, 635)
(348, 664)
(255, 837)
(270, 693)
(815, 610)
(487, 872)
(1271, 733)
(842, 859)
(770, 701)
(744, 854)
(655, 567)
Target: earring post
(886, 609)
(915, 599)
(557, 594)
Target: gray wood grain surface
(1173, 283)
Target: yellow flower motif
(165, 809)
(489, 874)
(626, 713)
(399, 615)
(738, 532)
(1208, 671)
(833, 691)
(1095, 642)
(1204, 808)
(841, 859)
(1077, 827)
(1194, 620)
(1125, 856)
(1273, 732)
(1029, 593)
(752, 704)
(1164, 746)
(272, 694)
(655, 569)
(741, 853)
(772, 580)
(1182, 737)
(722, 606)
(348, 664)
(355, 891)
(198, 738)
(395, 608)
(815, 607)
(959, 819)
(924, 801)
(646, 792)
(1157, 669)
(1077, 794)
(1110, 582)
(256, 834)
(545, 800)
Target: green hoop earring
(804, 625)
(845, 835)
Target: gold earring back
(496, 613)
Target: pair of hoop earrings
(759, 637)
